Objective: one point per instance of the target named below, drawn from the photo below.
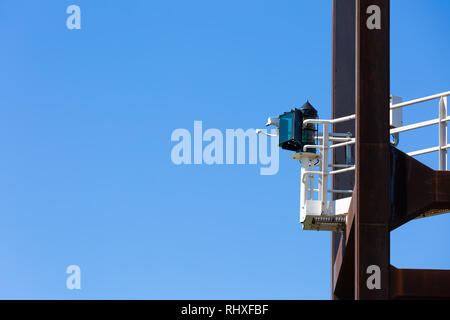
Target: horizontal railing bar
(341, 165)
(321, 147)
(334, 139)
(352, 168)
(336, 134)
(415, 126)
(322, 121)
(313, 146)
(428, 150)
(313, 172)
(333, 191)
(339, 134)
(423, 151)
(407, 103)
(334, 146)
(341, 191)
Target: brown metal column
(372, 238)
(343, 99)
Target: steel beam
(419, 284)
(372, 235)
(390, 187)
(343, 104)
(416, 190)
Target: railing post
(396, 118)
(311, 182)
(348, 151)
(304, 177)
(442, 134)
(323, 180)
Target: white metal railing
(331, 141)
(408, 103)
(307, 175)
(441, 121)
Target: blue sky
(85, 123)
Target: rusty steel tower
(374, 187)
(389, 186)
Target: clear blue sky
(85, 122)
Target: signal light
(293, 134)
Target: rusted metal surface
(343, 266)
(372, 236)
(343, 104)
(391, 188)
(442, 196)
(416, 190)
(419, 284)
